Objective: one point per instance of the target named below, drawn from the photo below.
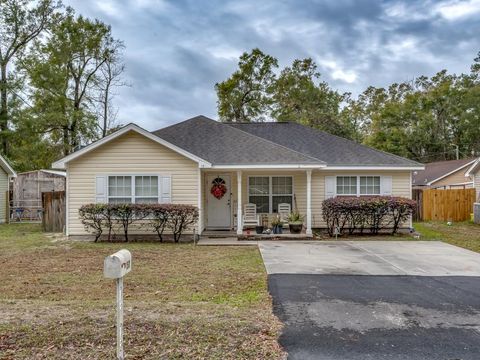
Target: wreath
(219, 188)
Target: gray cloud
(177, 50)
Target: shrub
(159, 215)
(177, 218)
(355, 214)
(180, 218)
(93, 217)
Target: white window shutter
(165, 189)
(386, 185)
(330, 185)
(100, 189)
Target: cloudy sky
(177, 50)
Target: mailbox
(117, 265)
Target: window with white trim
(346, 185)
(268, 191)
(133, 189)
(369, 185)
(358, 185)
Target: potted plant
(277, 225)
(295, 222)
(259, 229)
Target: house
(474, 173)
(27, 189)
(6, 173)
(448, 174)
(261, 163)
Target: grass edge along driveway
(463, 234)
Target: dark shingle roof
(437, 169)
(272, 143)
(221, 144)
(333, 150)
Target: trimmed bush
(373, 213)
(93, 218)
(180, 217)
(158, 217)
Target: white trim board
(60, 164)
(377, 168)
(273, 167)
(473, 168)
(6, 166)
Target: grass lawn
(463, 234)
(181, 301)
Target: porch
(224, 194)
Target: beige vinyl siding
(457, 177)
(400, 187)
(128, 154)
(3, 194)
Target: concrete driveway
(375, 300)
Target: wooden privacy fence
(444, 205)
(53, 219)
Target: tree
(63, 72)
(246, 95)
(427, 119)
(21, 21)
(300, 96)
(110, 77)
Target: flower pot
(259, 229)
(277, 229)
(295, 228)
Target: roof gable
(60, 164)
(438, 170)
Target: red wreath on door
(219, 189)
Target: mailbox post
(116, 266)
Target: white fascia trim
(6, 166)
(473, 168)
(280, 166)
(451, 172)
(462, 183)
(378, 168)
(60, 164)
(55, 172)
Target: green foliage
(422, 120)
(355, 214)
(276, 221)
(295, 218)
(157, 217)
(299, 96)
(58, 95)
(246, 95)
(21, 22)
(426, 119)
(255, 93)
(62, 72)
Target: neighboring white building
(6, 172)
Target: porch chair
(250, 216)
(284, 209)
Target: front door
(218, 201)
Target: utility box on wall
(476, 213)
